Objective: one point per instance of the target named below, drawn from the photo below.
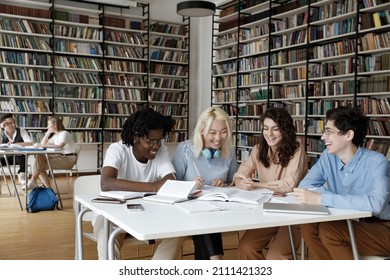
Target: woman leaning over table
(56, 137)
(280, 162)
(209, 159)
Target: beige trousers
(56, 162)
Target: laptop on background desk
(295, 208)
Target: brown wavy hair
(289, 143)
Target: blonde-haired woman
(210, 149)
(55, 137)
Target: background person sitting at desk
(211, 154)
(140, 162)
(356, 178)
(280, 161)
(56, 137)
(10, 134)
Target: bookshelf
(305, 56)
(169, 73)
(92, 64)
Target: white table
(156, 221)
(27, 152)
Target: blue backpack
(41, 199)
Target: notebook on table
(295, 208)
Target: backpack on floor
(41, 199)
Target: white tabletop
(161, 220)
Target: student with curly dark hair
(280, 162)
(139, 162)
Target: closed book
(124, 195)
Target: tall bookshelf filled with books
(169, 73)
(305, 56)
(93, 65)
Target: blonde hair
(203, 125)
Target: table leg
(111, 243)
(290, 233)
(13, 182)
(353, 240)
(79, 244)
(54, 180)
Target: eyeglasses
(152, 142)
(328, 132)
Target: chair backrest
(87, 184)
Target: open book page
(234, 194)
(124, 195)
(173, 191)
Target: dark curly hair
(289, 143)
(346, 119)
(140, 122)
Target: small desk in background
(30, 152)
(156, 221)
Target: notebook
(173, 191)
(295, 208)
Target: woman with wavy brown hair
(280, 162)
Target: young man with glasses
(139, 162)
(350, 177)
(10, 134)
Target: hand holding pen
(245, 182)
(199, 180)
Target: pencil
(196, 168)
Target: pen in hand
(200, 179)
(196, 168)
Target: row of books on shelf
(31, 120)
(22, 106)
(249, 125)
(75, 17)
(77, 136)
(78, 32)
(224, 96)
(169, 28)
(120, 108)
(123, 23)
(374, 63)
(23, 11)
(124, 37)
(333, 49)
(176, 136)
(79, 107)
(61, 45)
(167, 96)
(77, 62)
(175, 43)
(248, 140)
(170, 56)
(379, 145)
(24, 90)
(77, 78)
(81, 122)
(124, 51)
(374, 41)
(77, 92)
(26, 58)
(126, 94)
(171, 110)
(169, 69)
(24, 42)
(124, 66)
(25, 74)
(167, 83)
(24, 26)
(124, 80)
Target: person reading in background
(55, 137)
(15, 135)
(350, 177)
(209, 159)
(139, 162)
(280, 162)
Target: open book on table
(173, 191)
(234, 194)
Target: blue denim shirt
(362, 184)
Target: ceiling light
(196, 8)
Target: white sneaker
(22, 178)
(30, 185)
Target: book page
(123, 194)
(234, 194)
(176, 188)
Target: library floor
(49, 235)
